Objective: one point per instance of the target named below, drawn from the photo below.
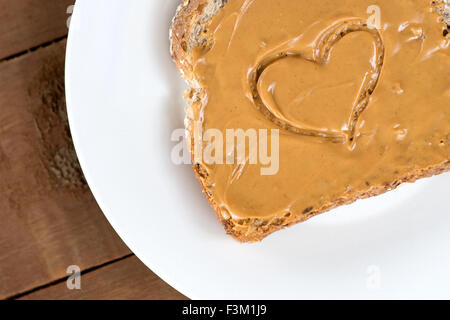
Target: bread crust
(190, 19)
(187, 13)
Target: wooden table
(49, 220)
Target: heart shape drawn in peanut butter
(321, 55)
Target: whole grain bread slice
(188, 31)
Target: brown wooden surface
(125, 279)
(48, 217)
(28, 23)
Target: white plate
(124, 101)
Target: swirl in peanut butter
(321, 56)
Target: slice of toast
(189, 31)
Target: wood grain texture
(28, 23)
(48, 217)
(126, 279)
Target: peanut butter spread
(357, 105)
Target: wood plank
(48, 217)
(125, 279)
(28, 23)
